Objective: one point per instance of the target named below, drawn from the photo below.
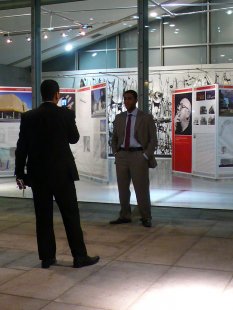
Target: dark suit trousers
(133, 166)
(65, 195)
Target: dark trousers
(65, 195)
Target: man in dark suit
(133, 144)
(43, 147)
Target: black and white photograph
(203, 109)
(86, 144)
(183, 114)
(103, 125)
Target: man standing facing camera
(43, 147)
(183, 118)
(133, 143)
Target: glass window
(221, 23)
(154, 34)
(154, 57)
(109, 43)
(221, 54)
(186, 29)
(184, 56)
(129, 39)
(97, 60)
(64, 62)
(128, 58)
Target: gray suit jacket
(144, 133)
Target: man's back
(45, 135)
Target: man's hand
(20, 184)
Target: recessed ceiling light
(91, 18)
(166, 23)
(45, 36)
(28, 39)
(68, 47)
(8, 40)
(94, 54)
(153, 14)
(135, 17)
(82, 33)
(176, 32)
(229, 12)
(172, 25)
(64, 34)
(230, 59)
(222, 55)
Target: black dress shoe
(146, 222)
(120, 221)
(80, 262)
(46, 263)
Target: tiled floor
(185, 261)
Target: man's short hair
(48, 89)
(132, 92)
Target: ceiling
(98, 19)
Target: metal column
(143, 55)
(36, 52)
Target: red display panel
(182, 131)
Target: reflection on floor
(167, 189)
(185, 261)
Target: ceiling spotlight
(166, 23)
(172, 25)
(45, 36)
(222, 55)
(135, 17)
(28, 39)
(153, 14)
(68, 47)
(229, 12)
(8, 40)
(64, 34)
(91, 18)
(94, 54)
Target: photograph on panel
(183, 114)
(98, 102)
(226, 102)
(67, 100)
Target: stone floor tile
(7, 274)
(160, 249)
(115, 286)
(9, 302)
(62, 306)
(10, 255)
(210, 253)
(46, 283)
(184, 288)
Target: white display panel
(91, 150)
(204, 118)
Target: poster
(13, 102)
(182, 130)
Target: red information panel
(182, 131)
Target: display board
(210, 133)
(91, 151)
(204, 116)
(225, 130)
(13, 102)
(182, 130)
